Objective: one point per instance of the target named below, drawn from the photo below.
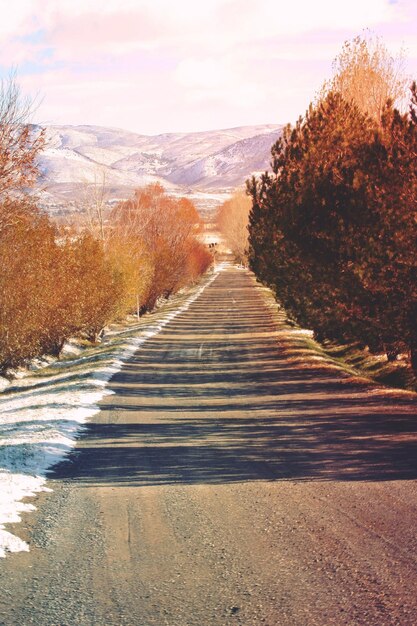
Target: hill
(205, 165)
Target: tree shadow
(286, 430)
(242, 402)
(190, 451)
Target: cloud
(207, 73)
(274, 18)
(218, 23)
(247, 60)
(17, 17)
(217, 79)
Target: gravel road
(234, 477)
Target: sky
(155, 66)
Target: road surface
(232, 478)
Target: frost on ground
(42, 413)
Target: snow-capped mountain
(200, 164)
(230, 166)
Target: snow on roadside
(41, 414)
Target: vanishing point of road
(233, 477)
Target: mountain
(205, 165)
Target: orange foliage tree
(50, 289)
(165, 230)
(232, 221)
(54, 284)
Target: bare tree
(20, 145)
(94, 197)
(20, 141)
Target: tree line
(59, 282)
(332, 228)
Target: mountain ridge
(196, 164)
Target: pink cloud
(93, 34)
(235, 61)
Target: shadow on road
(361, 445)
(223, 394)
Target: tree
(20, 141)
(366, 74)
(96, 287)
(167, 228)
(333, 228)
(55, 284)
(131, 261)
(232, 221)
(390, 266)
(93, 202)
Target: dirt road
(232, 478)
